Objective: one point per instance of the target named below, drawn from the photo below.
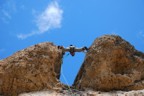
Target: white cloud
(8, 8)
(24, 36)
(6, 14)
(50, 18)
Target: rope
(66, 81)
(68, 85)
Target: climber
(72, 49)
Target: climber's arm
(79, 49)
(66, 49)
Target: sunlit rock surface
(111, 64)
(112, 67)
(85, 93)
(32, 69)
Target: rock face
(85, 93)
(111, 64)
(32, 69)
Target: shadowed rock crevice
(111, 64)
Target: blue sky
(27, 22)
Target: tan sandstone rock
(85, 93)
(111, 64)
(32, 69)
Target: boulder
(32, 69)
(111, 64)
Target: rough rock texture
(31, 69)
(111, 64)
(85, 93)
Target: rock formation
(32, 69)
(85, 93)
(111, 64)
